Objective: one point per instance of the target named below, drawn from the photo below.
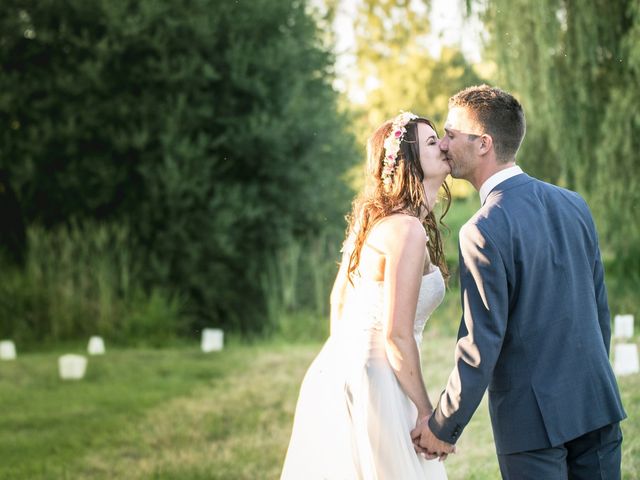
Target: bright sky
(448, 25)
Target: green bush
(82, 281)
(210, 127)
(153, 319)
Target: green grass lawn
(180, 414)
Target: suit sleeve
(485, 306)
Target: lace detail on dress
(364, 304)
(432, 292)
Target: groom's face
(461, 133)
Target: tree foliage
(209, 127)
(562, 59)
(572, 65)
(392, 48)
(618, 164)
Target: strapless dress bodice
(363, 308)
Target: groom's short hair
(499, 114)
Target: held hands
(426, 443)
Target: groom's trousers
(594, 455)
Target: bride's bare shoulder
(395, 230)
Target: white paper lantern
(7, 350)
(623, 326)
(72, 367)
(96, 346)
(626, 359)
(212, 340)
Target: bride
(364, 392)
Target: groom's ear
(485, 144)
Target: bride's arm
(404, 239)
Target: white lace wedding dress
(353, 420)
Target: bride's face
(432, 159)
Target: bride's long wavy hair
(404, 195)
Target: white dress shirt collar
(496, 179)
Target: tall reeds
(81, 280)
(296, 284)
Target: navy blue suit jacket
(535, 327)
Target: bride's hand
(416, 433)
(423, 417)
(422, 425)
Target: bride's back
(371, 263)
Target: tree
(572, 65)
(617, 197)
(392, 40)
(209, 127)
(12, 230)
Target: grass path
(179, 414)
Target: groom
(535, 327)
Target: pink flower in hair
(392, 145)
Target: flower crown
(392, 145)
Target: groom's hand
(428, 444)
